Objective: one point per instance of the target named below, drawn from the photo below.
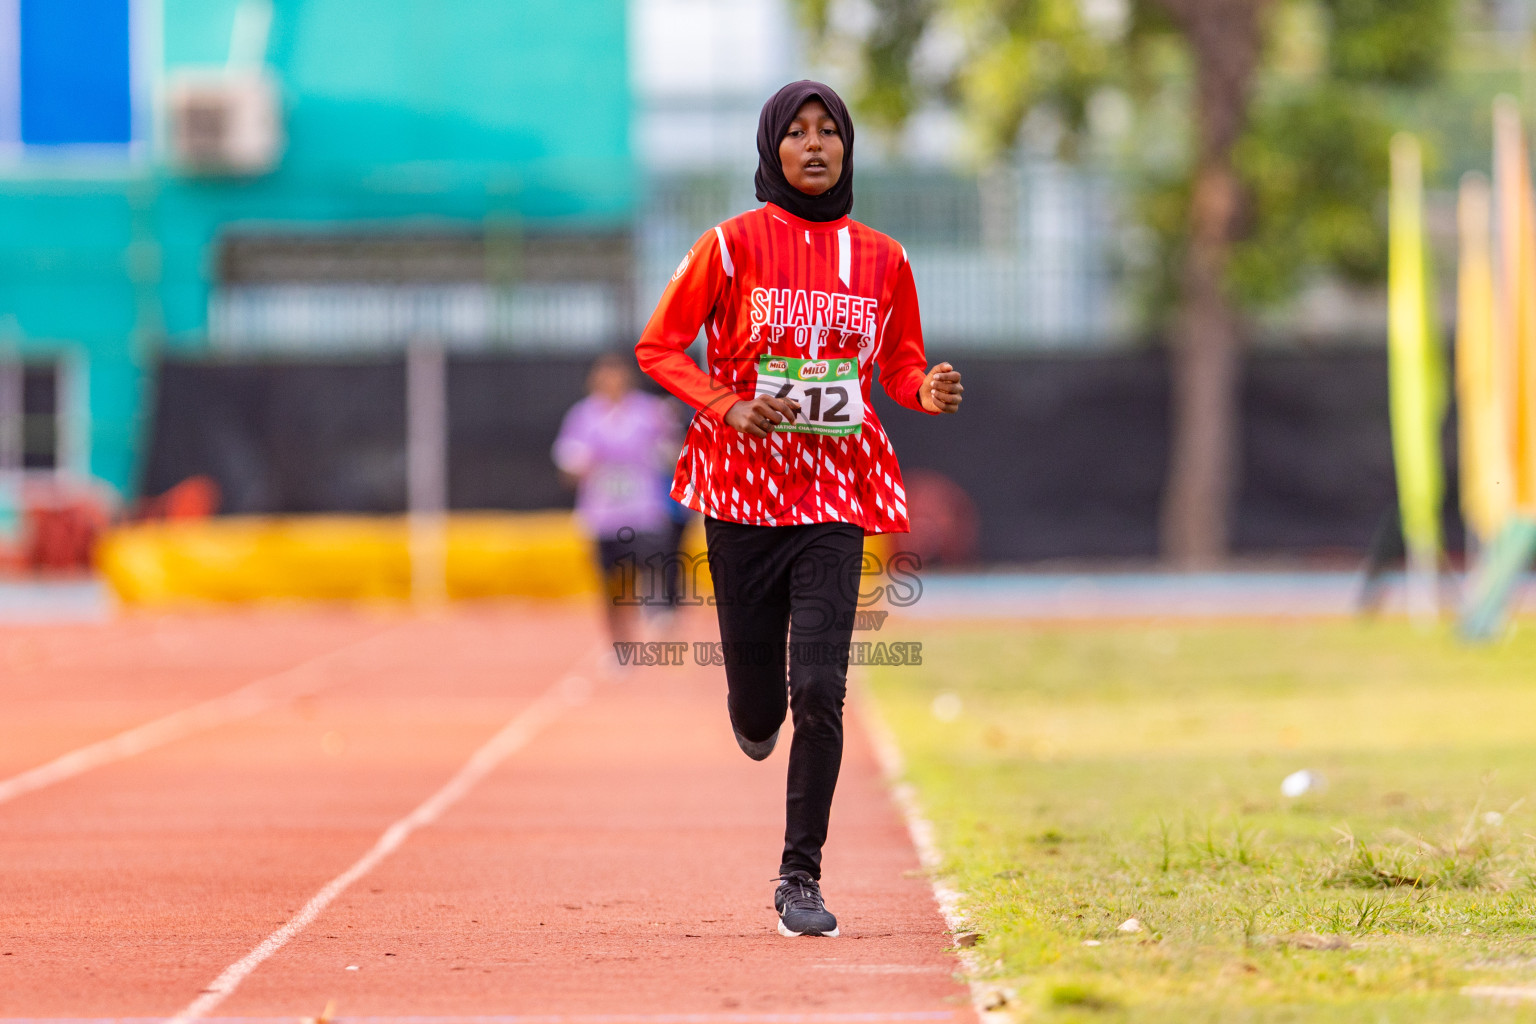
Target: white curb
(893, 766)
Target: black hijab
(772, 186)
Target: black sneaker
(757, 749)
(801, 911)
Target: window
(75, 83)
(29, 417)
(71, 75)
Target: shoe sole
(760, 750)
(796, 935)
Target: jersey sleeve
(900, 353)
(690, 299)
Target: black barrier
(283, 437)
(309, 436)
(1061, 456)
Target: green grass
(1096, 774)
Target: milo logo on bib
(831, 401)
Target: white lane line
(307, 677)
(570, 691)
(984, 998)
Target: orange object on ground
(61, 522)
(196, 497)
(944, 520)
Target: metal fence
(1019, 259)
(296, 319)
(501, 289)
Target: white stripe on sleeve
(725, 254)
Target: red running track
(616, 865)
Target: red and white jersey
(770, 288)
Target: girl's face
(812, 150)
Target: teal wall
(396, 110)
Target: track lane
(851, 1017)
(622, 864)
(66, 688)
(303, 681)
(617, 868)
(524, 726)
(178, 862)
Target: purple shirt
(623, 454)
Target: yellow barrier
(342, 558)
(356, 558)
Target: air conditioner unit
(225, 122)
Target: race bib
(616, 482)
(831, 401)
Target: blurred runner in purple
(619, 446)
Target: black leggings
(800, 584)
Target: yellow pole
(1516, 326)
(1486, 496)
(1417, 377)
(1512, 371)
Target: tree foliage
(1313, 163)
(1400, 42)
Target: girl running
(784, 456)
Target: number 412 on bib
(831, 401)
